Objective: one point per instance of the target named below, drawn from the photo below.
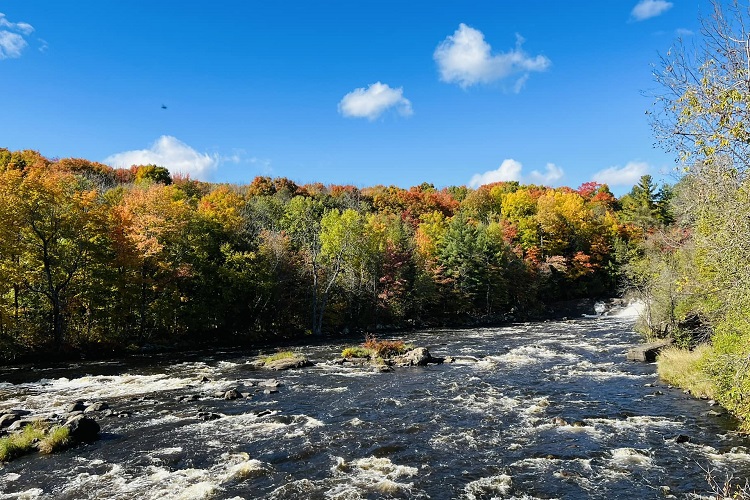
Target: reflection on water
(549, 410)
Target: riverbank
(269, 342)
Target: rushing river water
(547, 410)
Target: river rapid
(544, 410)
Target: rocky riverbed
(546, 410)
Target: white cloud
(684, 32)
(11, 45)
(12, 41)
(373, 101)
(467, 59)
(646, 9)
(512, 170)
(171, 153)
(23, 28)
(622, 176)
(509, 170)
(552, 173)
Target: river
(540, 410)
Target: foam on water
(158, 482)
(30, 494)
(598, 371)
(632, 311)
(450, 431)
(638, 425)
(371, 474)
(526, 355)
(631, 458)
(492, 485)
(51, 395)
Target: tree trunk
(57, 320)
(15, 303)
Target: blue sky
(387, 92)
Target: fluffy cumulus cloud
(509, 170)
(13, 37)
(467, 59)
(622, 176)
(646, 9)
(512, 170)
(552, 173)
(373, 101)
(171, 153)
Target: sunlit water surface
(486, 426)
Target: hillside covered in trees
(101, 260)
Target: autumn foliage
(101, 259)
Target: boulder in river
(232, 394)
(419, 356)
(76, 406)
(208, 415)
(83, 428)
(288, 363)
(272, 382)
(98, 406)
(23, 422)
(7, 419)
(682, 438)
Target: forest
(694, 273)
(96, 260)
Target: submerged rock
(192, 397)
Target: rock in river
(98, 406)
(83, 428)
(288, 363)
(419, 356)
(77, 406)
(232, 394)
(647, 352)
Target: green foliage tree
(95, 258)
(152, 173)
(702, 115)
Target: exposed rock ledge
(418, 356)
(288, 363)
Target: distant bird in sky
(163, 106)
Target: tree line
(104, 259)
